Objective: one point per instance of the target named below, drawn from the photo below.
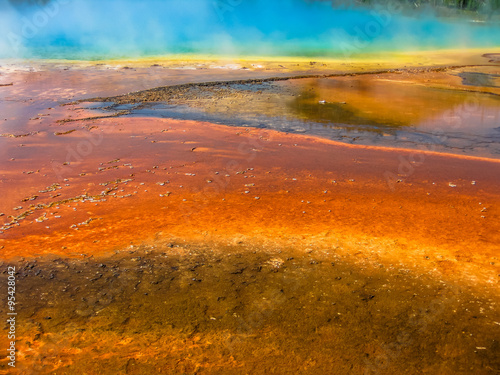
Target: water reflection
(387, 104)
(397, 110)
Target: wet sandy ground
(156, 245)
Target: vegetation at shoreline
(471, 5)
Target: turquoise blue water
(92, 29)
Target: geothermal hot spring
(249, 187)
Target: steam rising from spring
(96, 29)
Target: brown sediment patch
(120, 113)
(183, 90)
(9, 135)
(65, 132)
(177, 308)
(494, 57)
(203, 182)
